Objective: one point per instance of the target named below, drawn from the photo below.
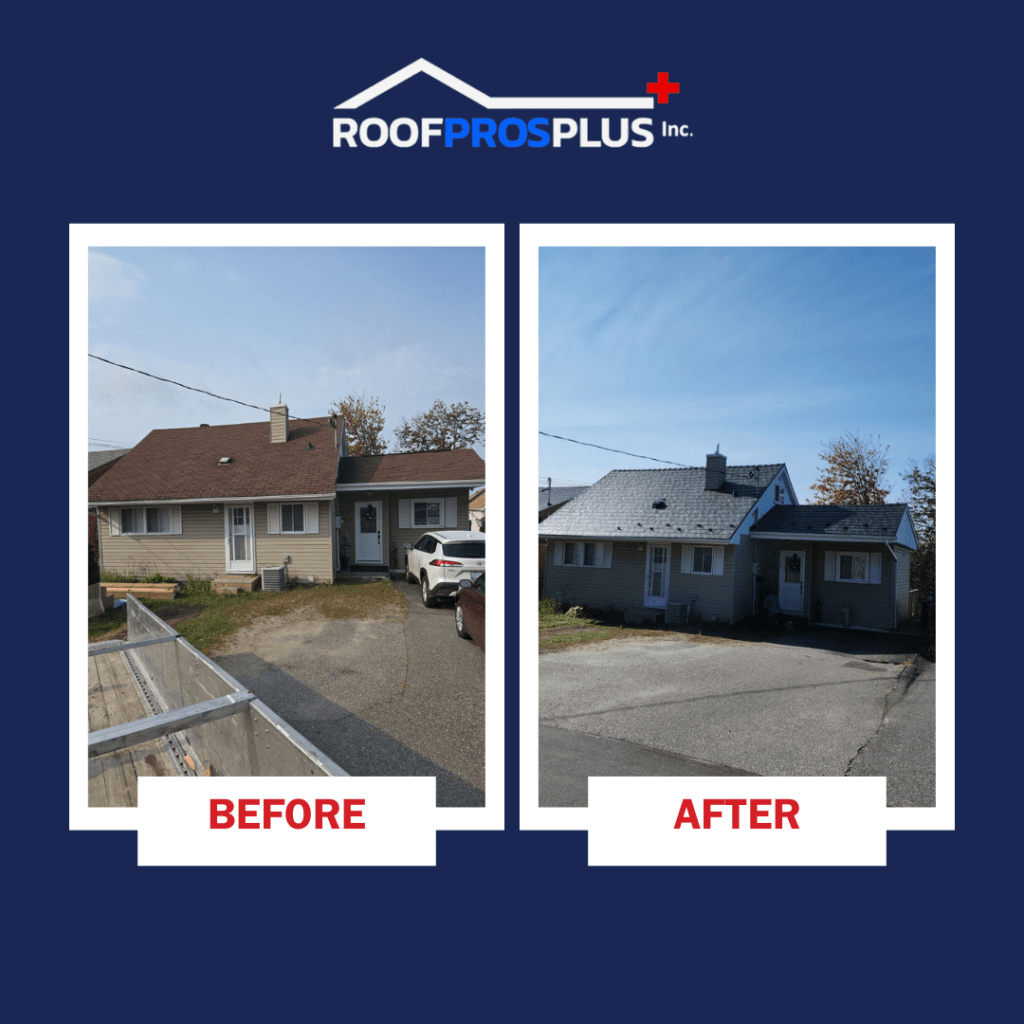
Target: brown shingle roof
(413, 467)
(178, 464)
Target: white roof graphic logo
(497, 102)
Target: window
(426, 513)
(592, 554)
(853, 568)
(703, 559)
(291, 519)
(135, 521)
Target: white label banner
(737, 821)
(291, 821)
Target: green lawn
(219, 615)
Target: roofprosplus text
(477, 132)
(296, 813)
(759, 814)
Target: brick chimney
(278, 422)
(714, 473)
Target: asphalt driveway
(708, 706)
(401, 695)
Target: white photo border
(490, 237)
(533, 237)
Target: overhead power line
(201, 391)
(617, 451)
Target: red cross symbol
(663, 87)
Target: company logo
(511, 132)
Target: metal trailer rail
(194, 710)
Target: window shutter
(273, 517)
(875, 569)
(451, 513)
(717, 561)
(686, 564)
(114, 521)
(312, 516)
(175, 519)
(405, 513)
(559, 552)
(607, 554)
(830, 566)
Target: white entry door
(656, 589)
(791, 581)
(369, 547)
(238, 538)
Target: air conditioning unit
(273, 577)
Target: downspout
(895, 577)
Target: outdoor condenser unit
(273, 577)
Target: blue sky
(668, 352)
(404, 325)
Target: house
(99, 463)
(212, 500)
(478, 510)
(553, 498)
(711, 544)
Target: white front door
(791, 581)
(656, 588)
(238, 538)
(368, 532)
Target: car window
(465, 549)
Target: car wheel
(428, 599)
(460, 623)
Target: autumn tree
(853, 472)
(441, 428)
(364, 422)
(919, 494)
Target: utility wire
(167, 380)
(617, 451)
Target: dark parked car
(469, 610)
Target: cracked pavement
(732, 707)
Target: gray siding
(711, 598)
(870, 604)
(902, 584)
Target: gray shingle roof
(557, 496)
(101, 458)
(838, 521)
(620, 504)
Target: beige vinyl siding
(398, 538)
(311, 553)
(197, 551)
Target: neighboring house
(553, 498)
(210, 500)
(689, 542)
(478, 510)
(99, 463)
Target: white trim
(227, 537)
(113, 517)
(369, 485)
(825, 538)
(602, 554)
(237, 499)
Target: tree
(853, 472)
(364, 421)
(920, 496)
(442, 428)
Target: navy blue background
(798, 115)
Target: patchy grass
(216, 616)
(551, 617)
(558, 630)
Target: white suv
(439, 560)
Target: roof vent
(309, 447)
(204, 424)
(226, 461)
(660, 503)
